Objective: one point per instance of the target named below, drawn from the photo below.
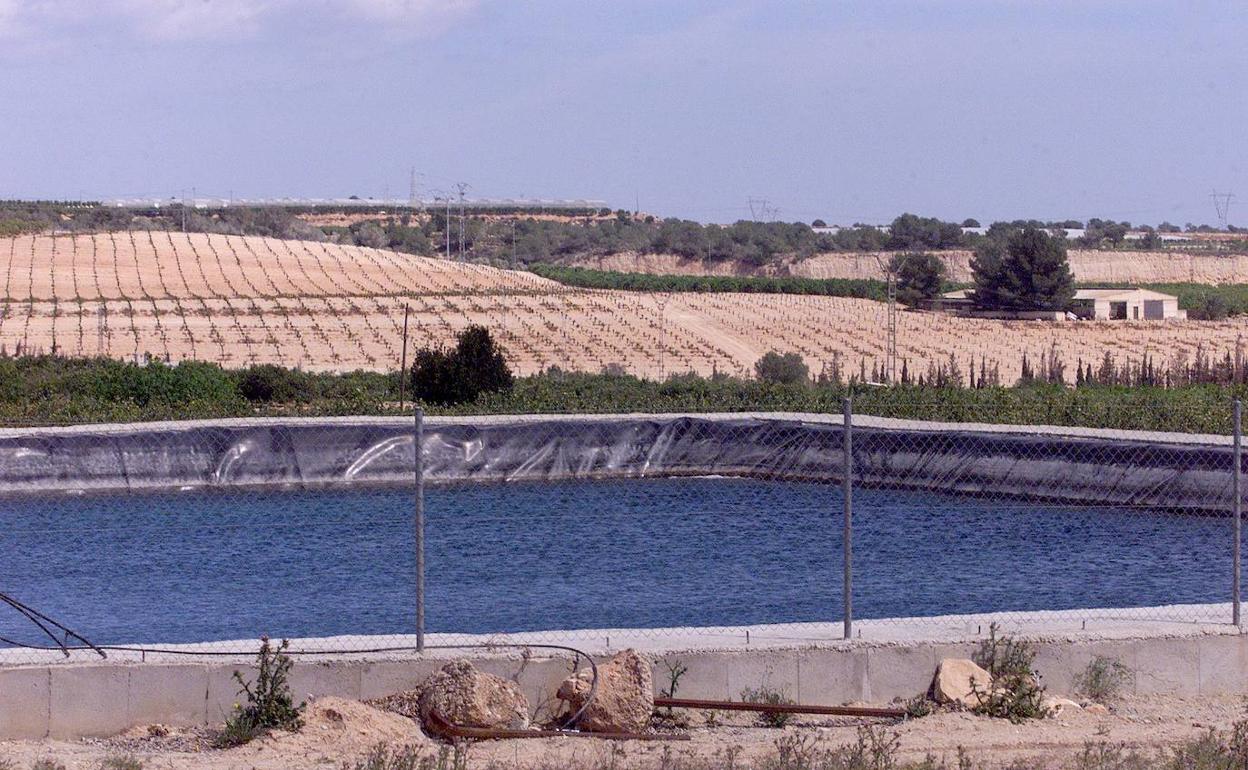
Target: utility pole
(890, 351)
(463, 188)
(513, 243)
(448, 227)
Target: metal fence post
(1237, 504)
(418, 446)
(847, 487)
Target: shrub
(267, 383)
(475, 366)
(1016, 690)
(121, 762)
(782, 369)
(775, 719)
(1210, 307)
(1103, 679)
(269, 704)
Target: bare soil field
(341, 732)
(1125, 267)
(243, 300)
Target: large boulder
(952, 683)
(465, 697)
(623, 701)
(1054, 706)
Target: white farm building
(1113, 304)
(1126, 304)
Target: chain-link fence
(679, 530)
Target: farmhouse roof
(1120, 293)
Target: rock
(1053, 705)
(623, 701)
(466, 697)
(952, 683)
(1099, 709)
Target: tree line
(514, 238)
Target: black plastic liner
(1104, 467)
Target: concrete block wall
(101, 699)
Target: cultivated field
(241, 300)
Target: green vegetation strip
(603, 279)
(1209, 300)
(58, 391)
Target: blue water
(194, 566)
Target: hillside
(240, 300)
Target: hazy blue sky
(848, 111)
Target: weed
(454, 757)
(919, 706)
(382, 757)
(775, 719)
(1107, 756)
(875, 749)
(1016, 692)
(121, 762)
(1103, 680)
(269, 703)
(675, 670)
(47, 763)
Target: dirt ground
(341, 732)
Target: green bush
(266, 383)
(1103, 680)
(776, 719)
(460, 376)
(782, 369)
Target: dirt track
(241, 300)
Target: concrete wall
(101, 699)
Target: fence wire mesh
(160, 540)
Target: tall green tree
(1025, 270)
(919, 275)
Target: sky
(849, 111)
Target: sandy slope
(1126, 267)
